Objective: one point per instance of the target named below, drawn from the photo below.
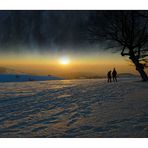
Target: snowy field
(74, 108)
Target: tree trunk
(139, 67)
(142, 73)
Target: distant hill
(92, 75)
(25, 78)
(126, 75)
(7, 70)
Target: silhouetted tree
(127, 30)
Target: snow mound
(24, 78)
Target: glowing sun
(64, 61)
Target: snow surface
(74, 108)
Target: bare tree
(127, 30)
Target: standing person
(114, 75)
(109, 76)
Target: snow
(74, 108)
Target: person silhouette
(114, 75)
(109, 76)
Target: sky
(54, 43)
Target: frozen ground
(74, 108)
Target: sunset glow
(71, 66)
